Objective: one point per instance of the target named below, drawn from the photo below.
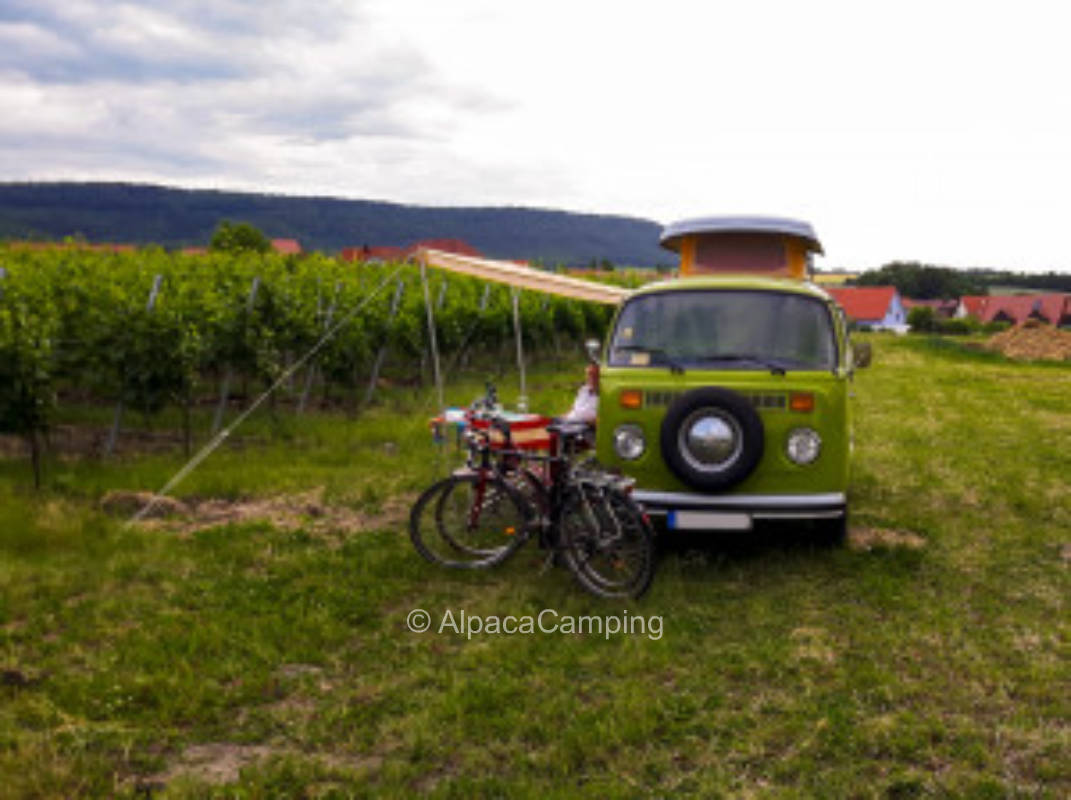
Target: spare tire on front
(712, 438)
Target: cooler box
(528, 431)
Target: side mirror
(862, 353)
(593, 348)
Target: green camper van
(725, 391)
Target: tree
(923, 281)
(238, 236)
(922, 319)
(28, 327)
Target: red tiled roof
(447, 245)
(1020, 307)
(943, 308)
(194, 251)
(974, 304)
(366, 253)
(1054, 307)
(289, 247)
(910, 302)
(864, 302)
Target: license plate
(709, 521)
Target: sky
(933, 131)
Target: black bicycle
(582, 515)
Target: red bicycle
(582, 515)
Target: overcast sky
(934, 131)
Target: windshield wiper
(773, 366)
(674, 366)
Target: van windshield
(725, 329)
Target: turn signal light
(801, 401)
(631, 398)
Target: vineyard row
(147, 329)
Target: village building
(875, 307)
(383, 254)
(1053, 308)
(287, 247)
(945, 309)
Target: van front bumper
(689, 511)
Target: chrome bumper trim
(798, 515)
(760, 505)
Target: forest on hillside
(141, 214)
(931, 282)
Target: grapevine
(78, 324)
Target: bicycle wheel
(468, 521)
(607, 543)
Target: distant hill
(141, 214)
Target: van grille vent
(767, 401)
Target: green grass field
(265, 656)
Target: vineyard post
(113, 435)
(431, 332)
(438, 307)
(327, 327)
(378, 364)
(290, 383)
(522, 401)
(225, 389)
(310, 374)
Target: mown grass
(135, 659)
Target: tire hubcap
(710, 441)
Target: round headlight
(629, 443)
(803, 445)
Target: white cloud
(939, 132)
(23, 40)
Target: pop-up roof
(748, 245)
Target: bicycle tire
(607, 542)
(469, 521)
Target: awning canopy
(524, 277)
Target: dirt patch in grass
(873, 538)
(219, 762)
(127, 504)
(289, 512)
(814, 644)
(1032, 340)
(222, 762)
(299, 670)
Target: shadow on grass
(773, 547)
(760, 542)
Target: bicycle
(583, 516)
